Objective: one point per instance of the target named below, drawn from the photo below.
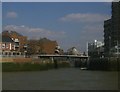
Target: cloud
(35, 33)
(92, 28)
(90, 33)
(11, 14)
(84, 17)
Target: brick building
(22, 45)
(7, 46)
(20, 40)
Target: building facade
(112, 31)
(19, 40)
(7, 46)
(96, 49)
(115, 37)
(19, 45)
(107, 36)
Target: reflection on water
(61, 79)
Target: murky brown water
(61, 79)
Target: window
(3, 46)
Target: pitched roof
(9, 32)
(6, 39)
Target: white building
(96, 49)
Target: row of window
(11, 53)
(3, 46)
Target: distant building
(115, 39)
(112, 31)
(24, 46)
(107, 36)
(7, 46)
(73, 51)
(57, 50)
(96, 49)
(20, 40)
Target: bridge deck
(70, 56)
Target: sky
(71, 24)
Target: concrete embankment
(30, 64)
(104, 64)
(21, 59)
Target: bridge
(76, 60)
(68, 56)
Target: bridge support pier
(55, 62)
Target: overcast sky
(70, 23)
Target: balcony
(16, 40)
(17, 46)
(25, 46)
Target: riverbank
(31, 66)
(109, 64)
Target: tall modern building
(115, 37)
(112, 31)
(107, 36)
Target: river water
(61, 79)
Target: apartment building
(112, 31)
(96, 49)
(7, 46)
(19, 40)
(107, 36)
(115, 37)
